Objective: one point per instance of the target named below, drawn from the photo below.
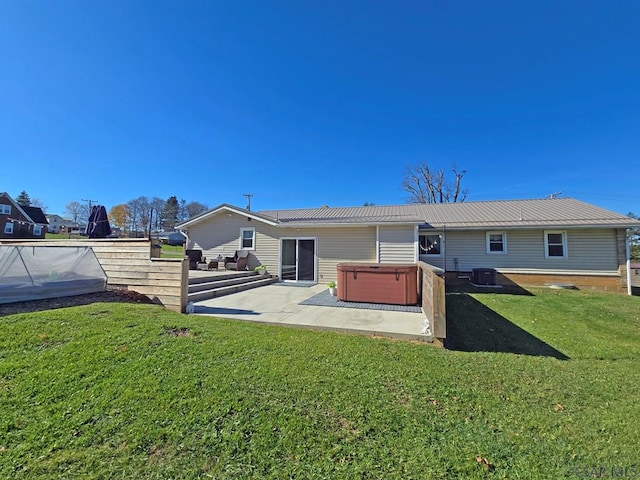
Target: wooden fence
(431, 291)
(128, 265)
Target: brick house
(20, 222)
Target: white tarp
(35, 272)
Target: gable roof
(36, 214)
(558, 213)
(19, 207)
(225, 207)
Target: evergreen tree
(169, 215)
(23, 199)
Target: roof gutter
(345, 224)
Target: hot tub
(394, 284)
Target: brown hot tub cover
(394, 284)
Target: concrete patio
(279, 304)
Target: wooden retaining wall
(431, 291)
(128, 265)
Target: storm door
(298, 259)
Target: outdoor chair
(238, 261)
(195, 257)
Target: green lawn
(172, 251)
(134, 391)
(62, 236)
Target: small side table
(213, 265)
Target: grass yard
(544, 385)
(172, 251)
(62, 236)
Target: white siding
(397, 244)
(588, 250)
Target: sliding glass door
(298, 259)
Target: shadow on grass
(505, 287)
(473, 327)
(223, 311)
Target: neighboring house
(530, 242)
(635, 275)
(57, 224)
(173, 238)
(20, 222)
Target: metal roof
(558, 212)
(368, 214)
(552, 213)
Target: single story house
(527, 242)
(18, 221)
(57, 224)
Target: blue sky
(315, 103)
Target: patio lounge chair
(195, 257)
(238, 261)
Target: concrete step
(220, 276)
(219, 282)
(256, 282)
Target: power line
(85, 200)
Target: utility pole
(85, 200)
(248, 195)
(89, 211)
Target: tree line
(142, 215)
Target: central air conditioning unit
(484, 276)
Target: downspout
(186, 237)
(377, 243)
(628, 258)
(444, 250)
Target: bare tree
(75, 210)
(195, 208)
(183, 215)
(633, 234)
(36, 202)
(138, 212)
(157, 204)
(427, 186)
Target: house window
(8, 228)
(555, 244)
(247, 238)
(430, 244)
(37, 230)
(5, 209)
(496, 242)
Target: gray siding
(220, 235)
(347, 244)
(397, 244)
(588, 251)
